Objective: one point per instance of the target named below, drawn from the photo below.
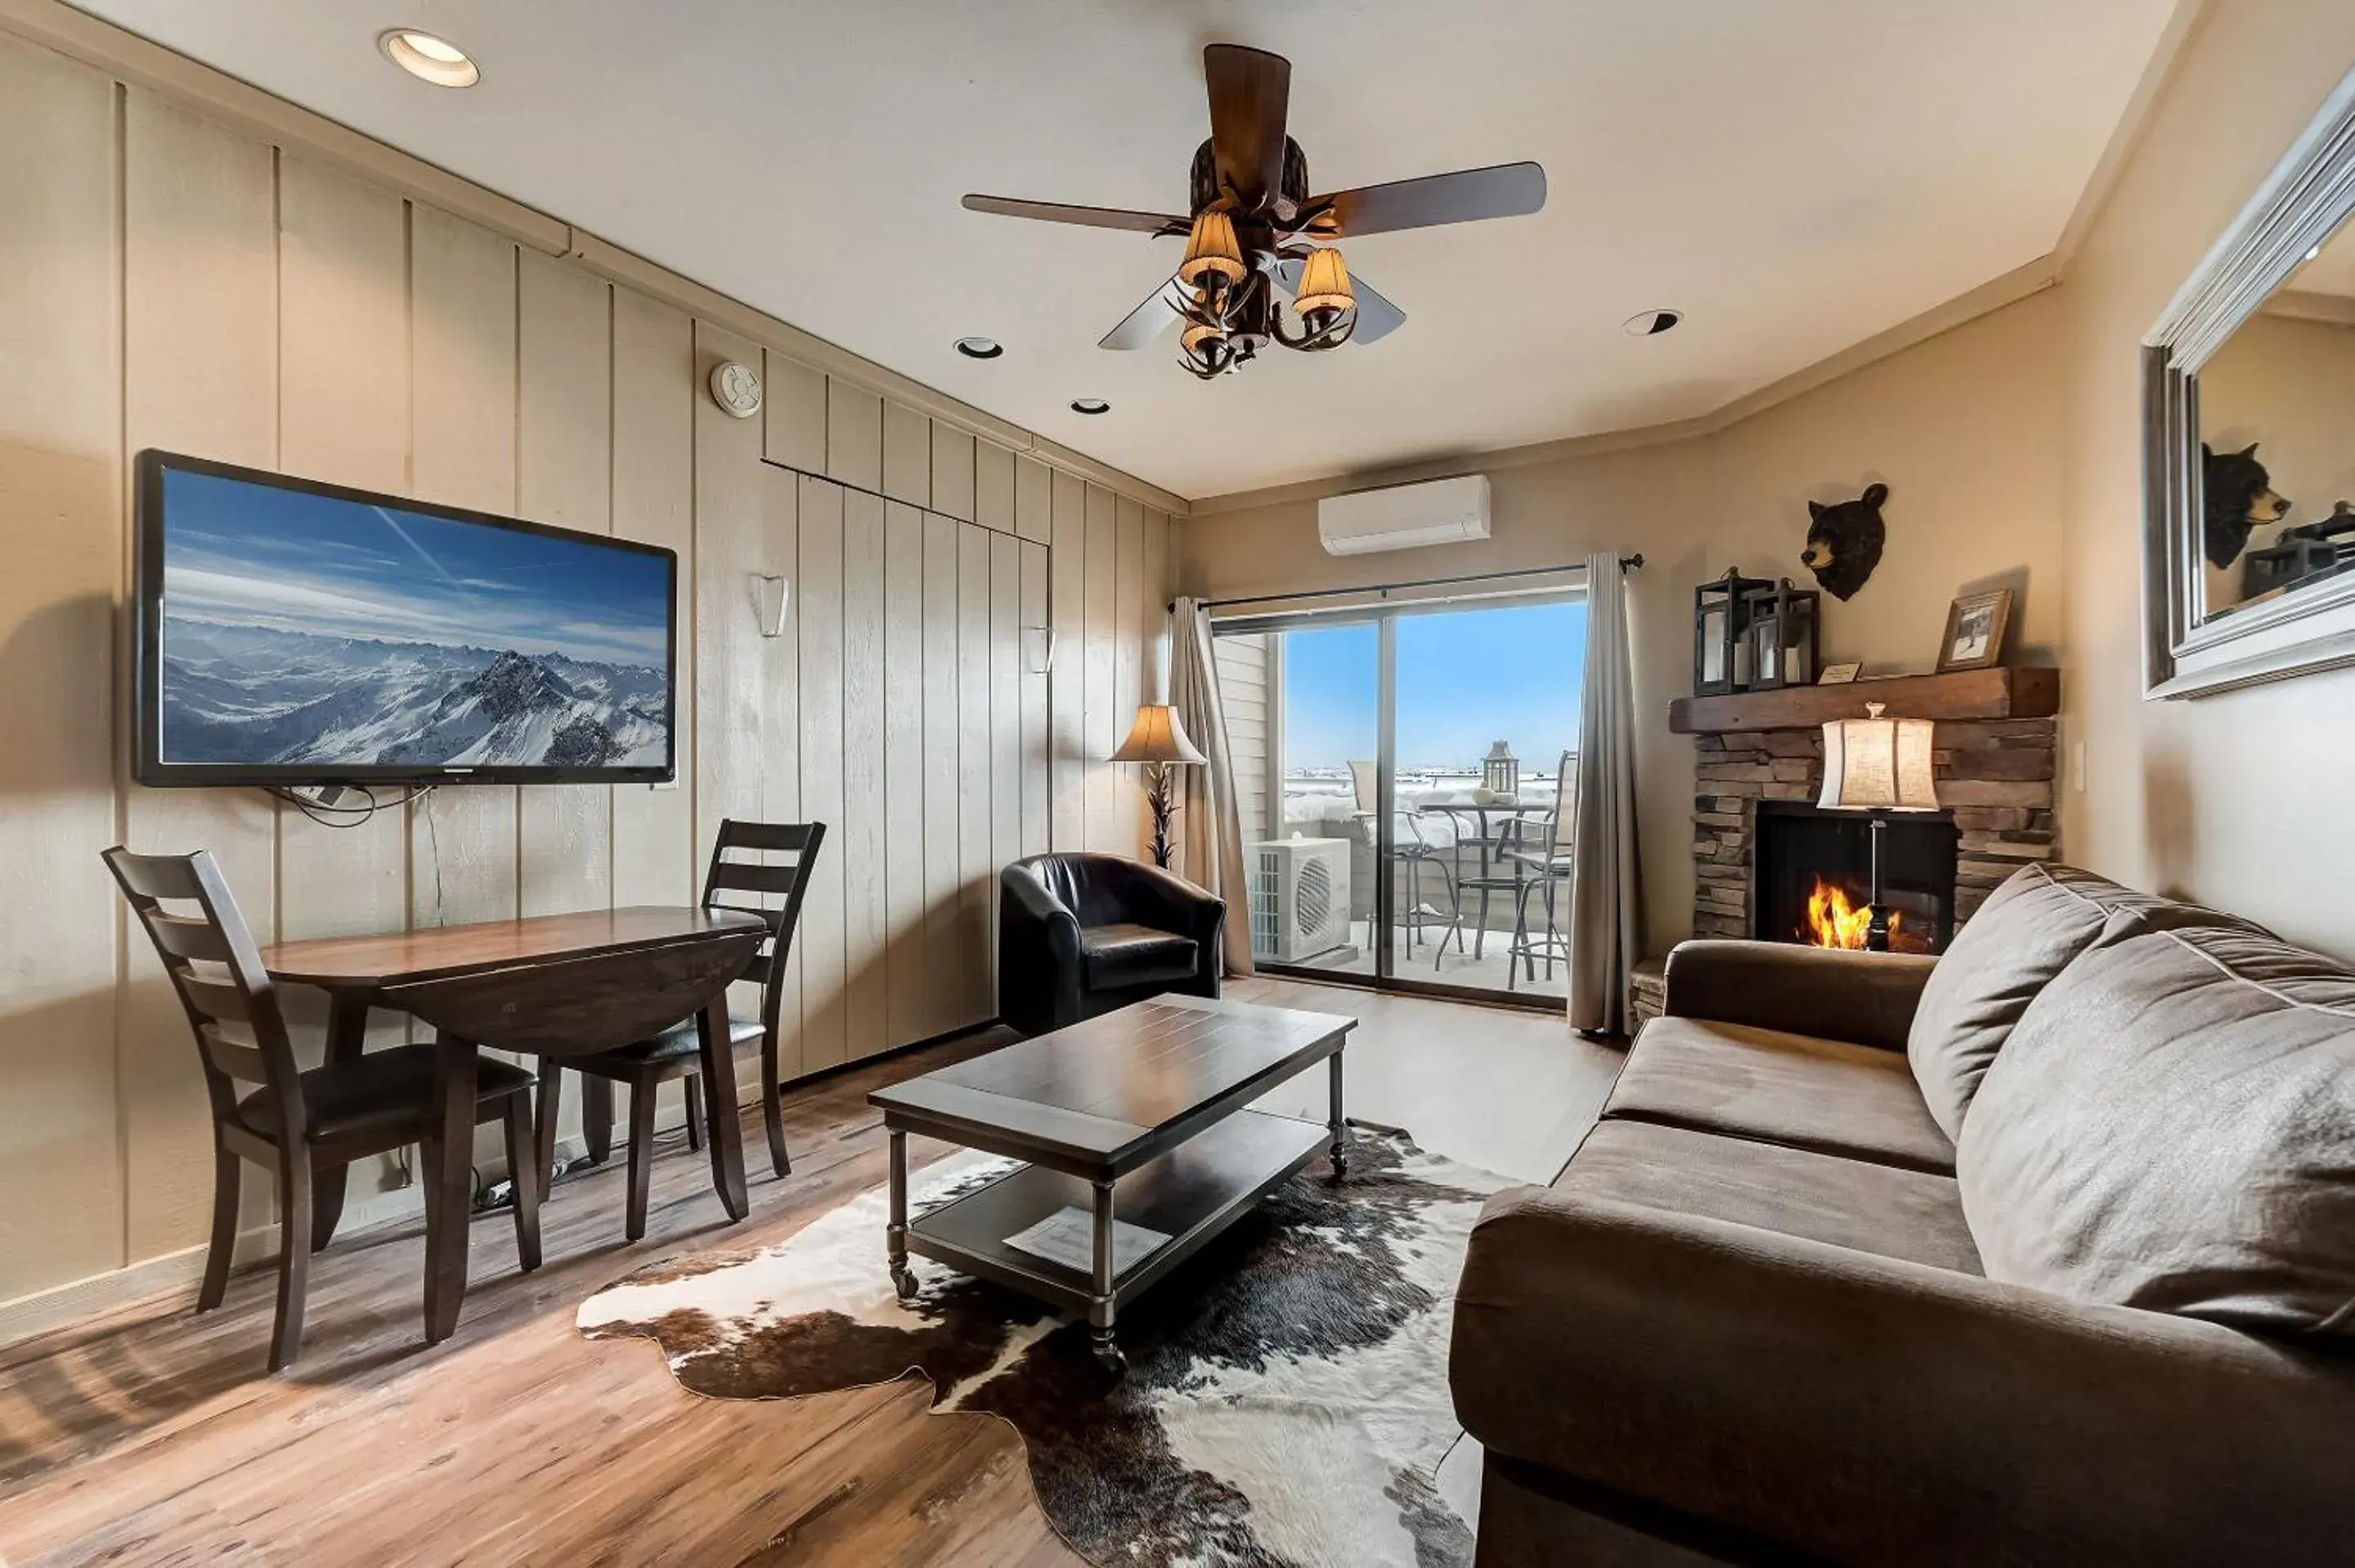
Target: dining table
(549, 985)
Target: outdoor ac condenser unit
(1299, 898)
(1442, 511)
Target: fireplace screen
(1811, 877)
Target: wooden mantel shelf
(2001, 693)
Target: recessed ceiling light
(1089, 405)
(1650, 323)
(980, 347)
(429, 58)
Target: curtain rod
(1626, 564)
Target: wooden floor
(154, 1434)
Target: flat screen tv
(288, 632)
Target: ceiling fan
(1260, 263)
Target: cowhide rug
(1286, 1401)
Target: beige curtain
(1209, 825)
(1606, 897)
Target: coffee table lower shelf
(1189, 1194)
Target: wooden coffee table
(1140, 1112)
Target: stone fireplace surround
(1996, 777)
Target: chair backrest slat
(778, 836)
(774, 915)
(217, 1000)
(788, 880)
(182, 938)
(157, 876)
(232, 1057)
(742, 876)
(247, 999)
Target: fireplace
(1812, 877)
(1994, 778)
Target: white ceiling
(1796, 174)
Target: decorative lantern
(1782, 631)
(1723, 649)
(1500, 773)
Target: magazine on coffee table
(1068, 1237)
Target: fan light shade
(1200, 332)
(1158, 738)
(1211, 247)
(1324, 283)
(1878, 764)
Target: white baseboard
(170, 1280)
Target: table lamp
(1878, 765)
(1158, 741)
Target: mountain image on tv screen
(306, 629)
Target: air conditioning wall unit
(1299, 898)
(1405, 516)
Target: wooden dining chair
(305, 1126)
(736, 881)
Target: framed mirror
(2249, 426)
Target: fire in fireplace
(1839, 917)
(1812, 875)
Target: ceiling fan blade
(1250, 91)
(1377, 317)
(1507, 190)
(1143, 325)
(1093, 216)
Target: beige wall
(2235, 799)
(172, 282)
(1963, 429)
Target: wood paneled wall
(170, 283)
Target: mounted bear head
(1844, 541)
(2236, 494)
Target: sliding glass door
(1304, 721)
(1402, 770)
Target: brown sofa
(2041, 1252)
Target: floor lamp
(1158, 741)
(1878, 765)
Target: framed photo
(1975, 628)
(1840, 674)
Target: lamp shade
(1324, 283)
(1158, 738)
(1878, 764)
(1211, 248)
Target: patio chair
(1540, 848)
(1412, 847)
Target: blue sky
(252, 555)
(1466, 678)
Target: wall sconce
(772, 596)
(1038, 649)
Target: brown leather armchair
(1080, 935)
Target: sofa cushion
(2172, 1126)
(1776, 1087)
(1912, 1215)
(2028, 931)
(1125, 955)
